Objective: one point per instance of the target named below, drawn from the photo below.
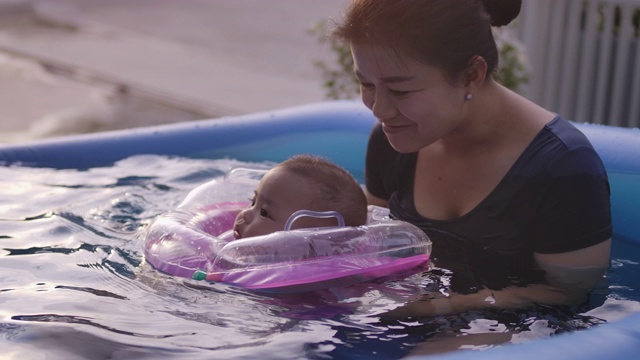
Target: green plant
(512, 68)
(340, 83)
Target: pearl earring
(468, 96)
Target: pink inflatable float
(195, 241)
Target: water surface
(74, 283)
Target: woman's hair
(337, 189)
(447, 34)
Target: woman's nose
(382, 106)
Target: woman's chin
(403, 146)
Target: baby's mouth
(236, 232)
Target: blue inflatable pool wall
(339, 131)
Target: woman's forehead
(383, 61)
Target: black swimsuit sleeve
(576, 211)
(380, 179)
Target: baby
(303, 182)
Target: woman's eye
(398, 92)
(366, 85)
(264, 213)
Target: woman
(514, 198)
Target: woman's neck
(496, 116)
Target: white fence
(584, 58)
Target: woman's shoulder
(567, 133)
(564, 144)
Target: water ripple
(54, 250)
(95, 292)
(84, 321)
(73, 281)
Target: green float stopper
(199, 275)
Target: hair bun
(502, 12)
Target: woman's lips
(393, 129)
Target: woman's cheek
(368, 97)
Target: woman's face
(416, 103)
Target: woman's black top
(554, 199)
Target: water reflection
(74, 284)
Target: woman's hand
(420, 308)
(439, 304)
(508, 298)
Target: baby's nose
(241, 218)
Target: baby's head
(303, 182)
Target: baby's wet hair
(336, 187)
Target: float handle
(317, 214)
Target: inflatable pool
(339, 131)
(196, 241)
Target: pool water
(74, 283)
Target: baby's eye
(253, 201)
(264, 213)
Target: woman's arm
(579, 269)
(569, 278)
(374, 200)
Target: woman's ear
(475, 73)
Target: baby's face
(279, 194)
